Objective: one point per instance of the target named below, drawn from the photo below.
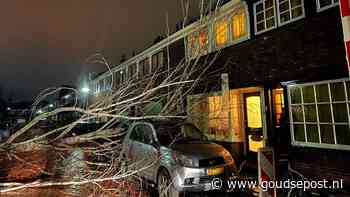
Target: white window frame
(320, 144)
(247, 26)
(255, 17)
(290, 12)
(333, 4)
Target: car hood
(200, 150)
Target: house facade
(280, 80)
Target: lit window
(192, 44)
(239, 28)
(319, 114)
(218, 117)
(265, 16)
(278, 102)
(289, 10)
(203, 40)
(325, 4)
(221, 32)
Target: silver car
(175, 156)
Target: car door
(149, 154)
(134, 146)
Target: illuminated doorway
(253, 120)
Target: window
(289, 10)
(325, 4)
(123, 75)
(319, 114)
(103, 85)
(142, 133)
(265, 15)
(98, 87)
(147, 134)
(203, 40)
(136, 134)
(108, 81)
(218, 124)
(192, 44)
(144, 68)
(132, 71)
(117, 78)
(157, 61)
(278, 103)
(239, 27)
(95, 88)
(221, 32)
(198, 43)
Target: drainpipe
(270, 126)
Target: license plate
(215, 171)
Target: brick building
(285, 67)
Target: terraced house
(280, 80)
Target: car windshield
(176, 133)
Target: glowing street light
(39, 111)
(85, 90)
(51, 105)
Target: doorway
(253, 124)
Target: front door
(253, 120)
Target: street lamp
(51, 105)
(85, 90)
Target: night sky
(45, 43)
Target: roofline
(172, 38)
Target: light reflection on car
(175, 153)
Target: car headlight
(227, 157)
(183, 160)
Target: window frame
(290, 12)
(116, 78)
(142, 64)
(228, 21)
(206, 47)
(246, 26)
(132, 70)
(194, 46)
(255, 17)
(141, 133)
(157, 61)
(331, 102)
(319, 9)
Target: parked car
(175, 153)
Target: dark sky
(44, 43)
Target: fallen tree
(61, 158)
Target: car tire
(165, 186)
